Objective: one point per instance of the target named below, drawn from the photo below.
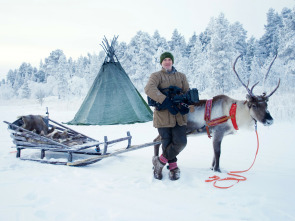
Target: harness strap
(232, 114)
(220, 120)
(208, 108)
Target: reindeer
(246, 114)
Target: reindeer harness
(219, 120)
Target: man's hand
(168, 104)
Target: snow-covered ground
(123, 188)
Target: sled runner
(46, 135)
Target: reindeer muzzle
(268, 120)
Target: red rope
(236, 177)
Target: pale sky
(31, 29)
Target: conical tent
(112, 98)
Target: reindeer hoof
(215, 169)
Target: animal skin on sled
(36, 124)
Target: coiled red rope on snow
(234, 174)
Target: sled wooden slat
(117, 152)
(58, 150)
(17, 137)
(39, 145)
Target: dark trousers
(173, 141)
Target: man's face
(167, 64)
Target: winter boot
(174, 173)
(159, 163)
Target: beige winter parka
(160, 80)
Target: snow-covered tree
(23, 74)
(82, 67)
(25, 91)
(51, 64)
(177, 43)
(198, 67)
(94, 66)
(6, 92)
(221, 53)
(40, 95)
(206, 59)
(10, 78)
(287, 48)
(205, 38)
(239, 36)
(138, 60)
(62, 76)
(78, 87)
(191, 43)
(270, 40)
(161, 45)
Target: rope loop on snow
(234, 174)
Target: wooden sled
(75, 143)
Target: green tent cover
(112, 99)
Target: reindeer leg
(217, 138)
(157, 147)
(213, 162)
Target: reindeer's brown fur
(34, 123)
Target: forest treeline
(206, 58)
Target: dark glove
(168, 104)
(183, 108)
(178, 99)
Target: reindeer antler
(274, 90)
(249, 91)
(253, 87)
(266, 75)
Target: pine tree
(270, 40)
(10, 78)
(120, 50)
(191, 43)
(177, 42)
(221, 53)
(51, 64)
(205, 38)
(198, 67)
(25, 90)
(139, 60)
(62, 77)
(94, 66)
(287, 49)
(161, 45)
(239, 35)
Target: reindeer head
(258, 104)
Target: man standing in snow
(168, 119)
